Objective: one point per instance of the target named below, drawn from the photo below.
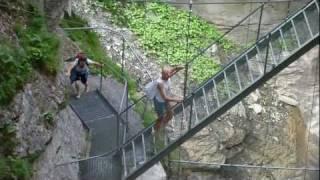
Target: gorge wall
(45, 127)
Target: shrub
(12, 168)
(48, 119)
(40, 45)
(7, 138)
(14, 69)
(38, 48)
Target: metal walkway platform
(100, 118)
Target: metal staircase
(272, 53)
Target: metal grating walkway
(99, 116)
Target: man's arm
(94, 62)
(175, 70)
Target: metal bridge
(283, 45)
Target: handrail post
(127, 105)
(267, 54)
(191, 109)
(100, 88)
(185, 84)
(260, 18)
(187, 51)
(118, 132)
(122, 56)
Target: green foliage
(116, 7)
(40, 45)
(13, 168)
(148, 115)
(7, 138)
(48, 119)
(203, 68)
(163, 31)
(14, 69)
(38, 48)
(31, 158)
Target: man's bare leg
(86, 87)
(158, 123)
(167, 117)
(77, 89)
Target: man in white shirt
(79, 70)
(163, 97)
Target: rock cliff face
(45, 126)
(53, 9)
(230, 12)
(277, 125)
(298, 86)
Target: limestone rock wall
(277, 125)
(224, 16)
(45, 126)
(52, 9)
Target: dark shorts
(76, 75)
(160, 107)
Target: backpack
(150, 89)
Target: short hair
(165, 68)
(81, 56)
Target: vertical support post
(122, 56)
(169, 172)
(260, 18)
(267, 54)
(124, 163)
(100, 88)
(288, 8)
(185, 84)
(118, 132)
(187, 51)
(191, 110)
(127, 105)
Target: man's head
(165, 73)
(82, 58)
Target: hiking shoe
(87, 89)
(78, 96)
